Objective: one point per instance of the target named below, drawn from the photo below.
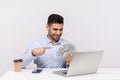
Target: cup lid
(18, 60)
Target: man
(43, 51)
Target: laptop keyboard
(64, 71)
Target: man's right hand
(39, 51)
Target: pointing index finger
(46, 47)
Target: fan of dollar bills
(66, 48)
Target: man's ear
(47, 27)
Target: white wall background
(89, 24)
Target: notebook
(82, 63)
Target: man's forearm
(27, 58)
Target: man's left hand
(68, 58)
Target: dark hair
(55, 18)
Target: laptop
(82, 63)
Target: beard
(54, 37)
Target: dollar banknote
(66, 48)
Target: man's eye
(61, 29)
(55, 29)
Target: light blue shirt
(49, 59)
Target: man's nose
(58, 32)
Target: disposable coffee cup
(18, 65)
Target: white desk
(46, 74)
